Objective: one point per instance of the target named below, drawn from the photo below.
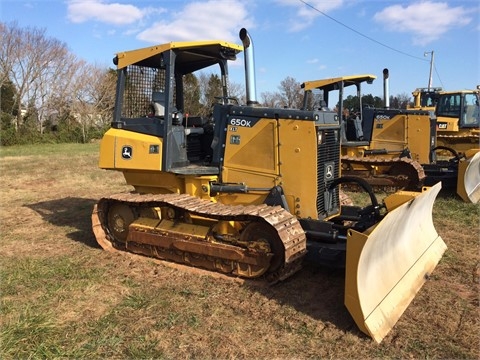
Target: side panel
(107, 150)
(251, 152)
(298, 169)
(154, 181)
(389, 133)
(252, 147)
(420, 138)
(447, 125)
(121, 149)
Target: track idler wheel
(120, 216)
(263, 238)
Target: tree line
(48, 94)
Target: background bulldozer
(455, 158)
(407, 148)
(249, 190)
(425, 98)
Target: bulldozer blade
(386, 267)
(468, 182)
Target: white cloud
(426, 20)
(200, 21)
(306, 14)
(79, 11)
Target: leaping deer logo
(126, 152)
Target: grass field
(64, 297)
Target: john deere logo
(127, 152)
(329, 171)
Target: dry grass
(62, 296)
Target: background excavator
(252, 191)
(407, 148)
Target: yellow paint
(112, 146)
(126, 58)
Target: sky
(302, 39)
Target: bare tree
(400, 101)
(55, 83)
(271, 99)
(38, 66)
(291, 93)
(92, 96)
(237, 91)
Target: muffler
(249, 67)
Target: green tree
(8, 94)
(351, 102)
(8, 111)
(210, 88)
(214, 89)
(191, 95)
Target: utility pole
(431, 68)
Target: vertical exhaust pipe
(249, 67)
(386, 95)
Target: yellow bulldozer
(384, 146)
(455, 159)
(407, 148)
(251, 191)
(425, 98)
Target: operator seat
(158, 100)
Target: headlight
(320, 137)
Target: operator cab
(156, 96)
(357, 123)
(461, 105)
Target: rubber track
(287, 226)
(378, 161)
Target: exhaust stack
(386, 95)
(249, 67)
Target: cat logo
(442, 125)
(127, 152)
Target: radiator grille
(328, 169)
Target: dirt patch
(63, 296)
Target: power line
(436, 72)
(359, 33)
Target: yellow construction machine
(425, 98)
(455, 160)
(251, 191)
(383, 146)
(458, 149)
(407, 148)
